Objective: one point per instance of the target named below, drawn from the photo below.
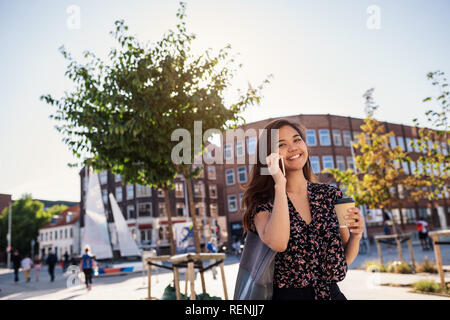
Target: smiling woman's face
(292, 147)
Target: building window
(103, 177)
(356, 135)
(251, 145)
(130, 192)
(315, 164)
(105, 195)
(228, 151)
(201, 174)
(444, 148)
(347, 138)
(232, 203)
(240, 149)
(401, 143)
(392, 142)
(213, 191)
(162, 209)
(118, 178)
(324, 136)
(65, 233)
(311, 137)
(229, 175)
(160, 193)
(71, 233)
(416, 145)
(350, 163)
(337, 138)
(180, 209)
(130, 212)
(179, 189)
(56, 235)
(214, 211)
(145, 209)
(199, 189)
(408, 145)
(340, 162)
(327, 162)
(142, 191)
(212, 173)
(242, 174)
(405, 167)
(119, 194)
(412, 164)
(146, 236)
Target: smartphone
(282, 166)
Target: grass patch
(399, 267)
(427, 266)
(374, 266)
(428, 286)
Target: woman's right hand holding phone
(273, 166)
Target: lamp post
(9, 235)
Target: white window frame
(231, 198)
(228, 152)
(401, 142)
(240, 149)
(241, 170)
(347, 138)
(311, 138)
(392, 142)
(323, 135)
(315, 160)
(340, 160)
(119, 195)
(227, 174)
(350, 163)
(144, 204)
(211, 188)
(211, 173)
(103, 175)
(251, 145)
(337, 139)
(409, 148)
(129, 216)
(327, 159)
(130, 191)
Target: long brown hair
(260, 188)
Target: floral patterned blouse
(315, 254)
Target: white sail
(96, 234)
(127, 245)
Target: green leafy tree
(434, 160)
(378, 169)
(121, 114)
(28, 216)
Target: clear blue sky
(321, 53)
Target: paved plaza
(358, 285)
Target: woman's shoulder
(264, 205)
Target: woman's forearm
(352, 248)
(277, 230)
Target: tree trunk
(193, 214)
(169, 221)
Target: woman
(37, 266)
(294, 215)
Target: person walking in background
(16, 264)
(66, 261)
(387, 231)
(27, 264)
(422, 229)
(211, 247)
(51, 261)
(37, 262)
(86, 265)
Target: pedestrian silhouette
(16, 264)
(86, 265)
(27, 264)
(51, 261)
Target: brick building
(144, 208)
(5, 201)
(329, 140)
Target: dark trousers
(305, 293)
(88, 276)
(51, 272)
(16, 274)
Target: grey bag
(255, 276)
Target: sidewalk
(358, 285)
